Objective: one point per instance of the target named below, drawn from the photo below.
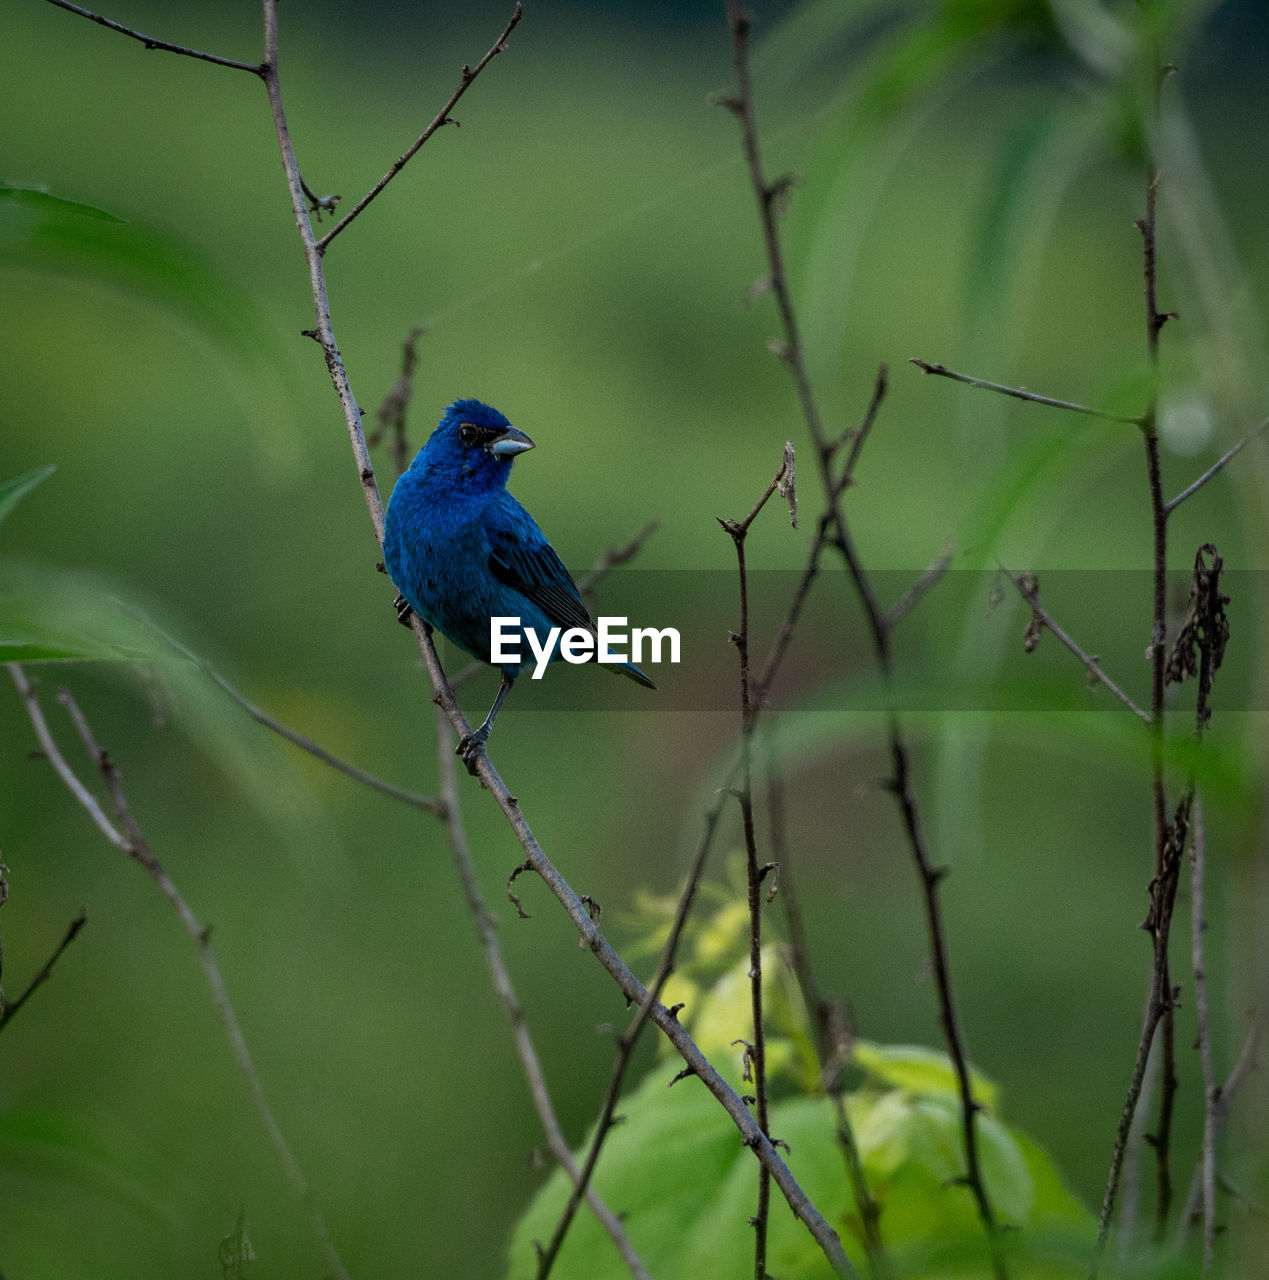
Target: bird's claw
(404, 612)
(471, 747)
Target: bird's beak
(508, 443)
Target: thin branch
(912, 596)
(768, 196)
(784, 633)
(615, 557)
(1160, 1000)
(1155, 319)
(791, 349)
(1211, 1094)
(1241, 1069)
(741, 527)
(1021, 393)
(1028, 588)
(393, 407)
(87, 801)
(10, 1008)
(1169, 839)
(860, 434)
(1215, 468)
(468, 75)
(151, 42)
(832, 1038)
(1163, 835)
(323, 333)
(634, 990)
(429, 804)
(1207, 629)
(131, 841)
(750, 708)
(630, 1038)
(486, 929)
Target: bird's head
(474, 439)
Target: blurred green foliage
(684, 1181)
(580, 251)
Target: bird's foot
(404, 612)
(471, 747)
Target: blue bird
(461, 550)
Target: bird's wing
(521, 558)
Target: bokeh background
(581, 252)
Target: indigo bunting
(461, 550)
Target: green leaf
(723, 1014)
(13, 491)
(54, 615)
(685, 1186)
(678, 1173)
(45, 232)
(918, 1070)
(25, 206)
(54, 1147)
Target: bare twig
(128, 837)
(152, 42)
(1028, 588)
(768, 197)
(392, 409)
(87, 801)
(832, 1040)
(442, 117)
(323, 333)
(1021, 393)
(912, 596)
(429, 804)
(1214, 469)
(791, 349)
(1169, 839)
(1211, 1094)
(9, 1009)
(1158, 656)
(615, 557)
(900, 783)
(630, 1038)
(634, 991)
(697, 1064)
(1207, 630)
(486, 929)
(859, 435)
(784, 633)
(750, 708)
(1242, 1068)
(1159, 1001)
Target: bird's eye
(468, 432)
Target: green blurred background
(580, 251)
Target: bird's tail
(631, 672)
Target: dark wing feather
(530, 566)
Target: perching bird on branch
(462, 551)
